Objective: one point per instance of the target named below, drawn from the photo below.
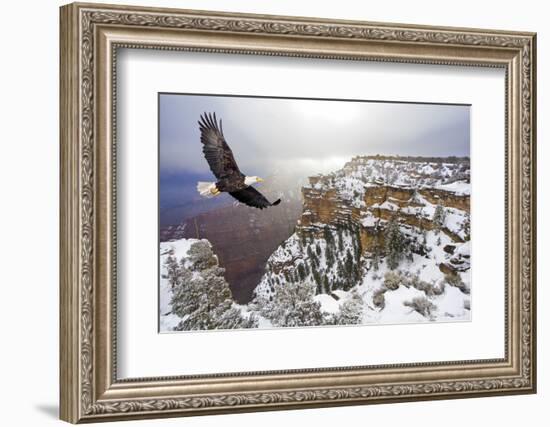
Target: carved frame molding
(90, 35)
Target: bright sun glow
(313, 166)
(327, 111)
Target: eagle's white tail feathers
(207, 189)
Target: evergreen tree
(356, 239)
(375, 263)
(348, 265)
(312, 256)
(326, 284)
(172, 270)
(329, 237)
(439, 216)
(318, 289)
(317, 279)
(329, 256)
(340, 269)
(351, 311)
(201, 296)
(186, 294)
(287, 276)
(293, 305)
(200, 256)
(232, 318)
(301, 272)
(466, 228)
(395, 244)
(340, 240)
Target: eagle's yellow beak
(259, 179)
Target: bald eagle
(224, 167)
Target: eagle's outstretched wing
(216, 151)
(252, 197)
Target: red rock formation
(325, 206)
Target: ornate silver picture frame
(92, 36)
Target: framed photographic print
(334, 234)
(266, 212)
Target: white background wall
(29, 170)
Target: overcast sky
(268, 135)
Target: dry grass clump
(421, 305)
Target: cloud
(270, 134)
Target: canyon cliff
(341, 238)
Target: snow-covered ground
(451, 305)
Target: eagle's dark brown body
(224, 167)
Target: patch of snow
(328, 303)
(461, 188)
(451, 304)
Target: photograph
(290, 212)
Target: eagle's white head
(249, 180)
